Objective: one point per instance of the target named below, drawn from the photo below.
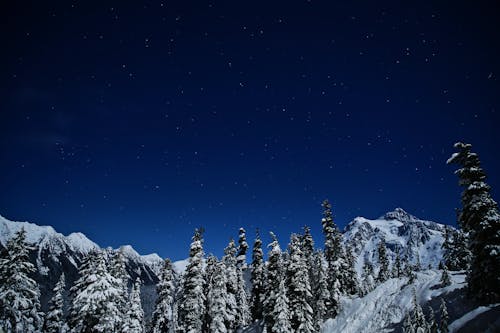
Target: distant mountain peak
(399, 214)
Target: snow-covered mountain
(413, 238)
(54, 253)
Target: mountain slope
(413, 238)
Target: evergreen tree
(163, 321)
(210, 267)
(273, 278)
(95, 302)
(408, 325)
(135, 313)
(479, 217)
(410, 273)
(367, 278)
(117, 269)
(257, 279)
(19, 293)
(443, 324)
(229, 260)
(217, 300)
(299, 290)
(54, 320)
(419, 322)
(383, 273)
(418, 264)
(322, 294)
(332, 252)
(192, 303)
(397, 270)
(433, 327)
(350, 283)
(241, 259)
(445, 277)
(281, 313)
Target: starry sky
(135, 122)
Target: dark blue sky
(135, 123)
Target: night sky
(136, 122)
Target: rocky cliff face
(413, 238)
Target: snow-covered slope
(402, 232)
(54, 253)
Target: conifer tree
(281, 313)
(383, 273)
(322, 294)
(135, 313)
(418, 264)
(408, 325)
(257, 279)
(163, 321)
(397, 270)
(117, 269)
(19, 293)
(192, 303)
(350, 283)
(273, 278)
(443, 323)
(445, 277)
(54, 320)
(433, 327)
(95, 302)
(367, 278)
(241, 259)
(333, 253)
(479, 217)
(299, 290)
(229, 260)
(211, 262)
(419, 322)
(217, 299)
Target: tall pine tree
(19, 293)
(273, 278)
(479, 217)
(54, 320)
(257, 279)
(443, 323)
(321, 294)
(163, 320)
(383, 272)
(135, 313)
(192, 303)
(299, 290)
(217, 307)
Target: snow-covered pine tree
(273, 278)
(321, 294)
(217, 292)
(443, 322)
(210, 264)
(368, 282)
(54, 320)
(229, 260)
(397, 270)
(299, 290)
(383, 272)
(350, 276)
(418, 264)
(135, 313)
(117, 269)
(419, 322)
(281, 312)
(243, 314)
(460, 251)
(445, 277)
(95, 303)
(408, 325)
(257, 279)
(163, 314)
(19, 293)
(433, 327)
(192, 303)
(241, 258)
(307, 245)
(333, 252)
(479, 217)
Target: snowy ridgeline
(382, 306)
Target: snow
(388, 304)
(80, 243)
(457, 324)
